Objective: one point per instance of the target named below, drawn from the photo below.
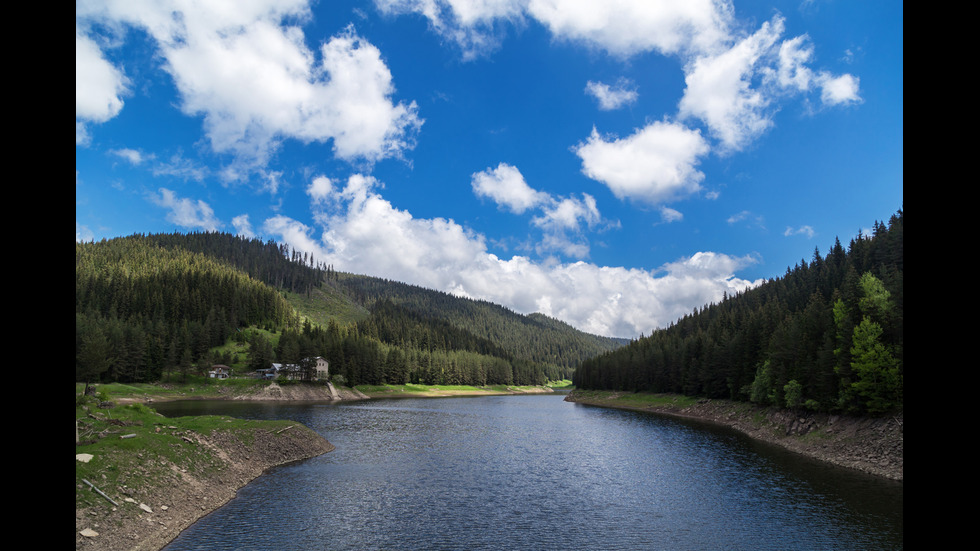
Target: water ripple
(534, 472)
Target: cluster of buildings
(310, 369)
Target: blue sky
(612, 164)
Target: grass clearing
(135, 449)
(196, 386)
(635, 399)
(418, 389)
(326, 303)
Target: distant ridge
(149, 305)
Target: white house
(322, 368)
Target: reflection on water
(535, 472)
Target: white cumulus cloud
(808, 231)
(626, 27)
(366, 234)
(320, 189)
(133, 156)
(506, 186)
(720, 92)
(735, 92)
(559, 218)
(656, 164)
(99, 86)
(839, 90)
(734, 80)
(474, 26)
(610, 98)
(243, 226)
(793, 73)
(187, 213)
(669, 215)
(562, 222)
(246, 69)
(619, 27)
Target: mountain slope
(534, 337)
(827, 336)
(142, 310)
(147, 305)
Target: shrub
(762, 392)
(142, 409)
(794, 394)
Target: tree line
(535, 337)
(267, 261)
(148, 306)
(826, 336)
(365, 358)
(143, 310)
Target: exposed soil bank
(150, 519)
(304, 393)
(327, 393)
(871, 445)
(332, 393)
(442, 393)
(181, 499)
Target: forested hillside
(141, 309)
(269, 262)
(827, 336)
(534, 337)
(151, 305)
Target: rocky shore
(149, 519)
(304, 393)
(327, 393)
(143, 521)
(870, 445)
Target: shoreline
(150, 520)
(871, 445)
(274, 392)
(146, 517)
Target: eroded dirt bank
(149, 519)
(871, 445)
(328, 393)
(304, 393)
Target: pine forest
(826, 336)
(149, 307)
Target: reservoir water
(535, 472)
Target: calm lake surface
(535, 472)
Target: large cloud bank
(358, 230)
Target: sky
(611, 164)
